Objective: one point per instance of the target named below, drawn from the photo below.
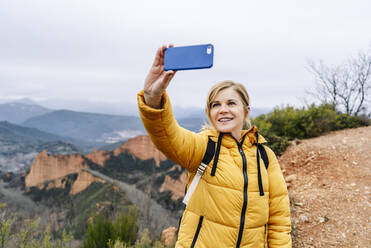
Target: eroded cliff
(53, 168)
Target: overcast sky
(100, 51)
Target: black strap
(209, 154)
(213, 170)
(210, 150)
(260, 183)
(264, 155)
(197, 231)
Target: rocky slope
(46, 167)
(141, 147)
(329, 181)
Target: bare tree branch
(347, 87)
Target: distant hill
(98, 128)
(111, 147)
(18, 112)
(19, 145)
(12, 133)
(192, 123)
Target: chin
(224, 129)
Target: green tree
(103, 232)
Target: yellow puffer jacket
(226, 210)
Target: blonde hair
(239, 88)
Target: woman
(238, 202)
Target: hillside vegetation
(288, 123)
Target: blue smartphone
(189, 57)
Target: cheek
(212, 115)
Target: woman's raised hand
(157, 80)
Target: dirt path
(329, 181)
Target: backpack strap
(209, 154)
(264, 155)
(210, 151)
(260, 150)
(213, 170)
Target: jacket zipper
(265, 234)
(197, 231)
(245, 179)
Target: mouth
(225, 119)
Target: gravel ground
(329, 180)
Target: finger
(162, 60)
(163, 48)
(157, 59)
(167, 78)
(171, 45)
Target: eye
(213, 105)
(231, 103)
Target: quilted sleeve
(180, 145)
(279, 223)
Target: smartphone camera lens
(208, 50)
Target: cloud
(94, 51)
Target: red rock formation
(168, 236)
(175, 186)
(141, 147)
(52, 168)
(84, 179)
(98, 157)
(47, 167)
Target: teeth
(225, 119)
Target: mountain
(192, 123)
(19, 145)
(135, 162)
(18, 112)
(97, 128)
(137, 169)
(327, 178)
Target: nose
(223, 108)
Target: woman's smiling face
(227, 112)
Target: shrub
(143, 242)
(28, 236)
(98, 233)
(288, 123)
(102, 232)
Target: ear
(247, 111)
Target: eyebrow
(228, 100)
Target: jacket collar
(229, 141)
